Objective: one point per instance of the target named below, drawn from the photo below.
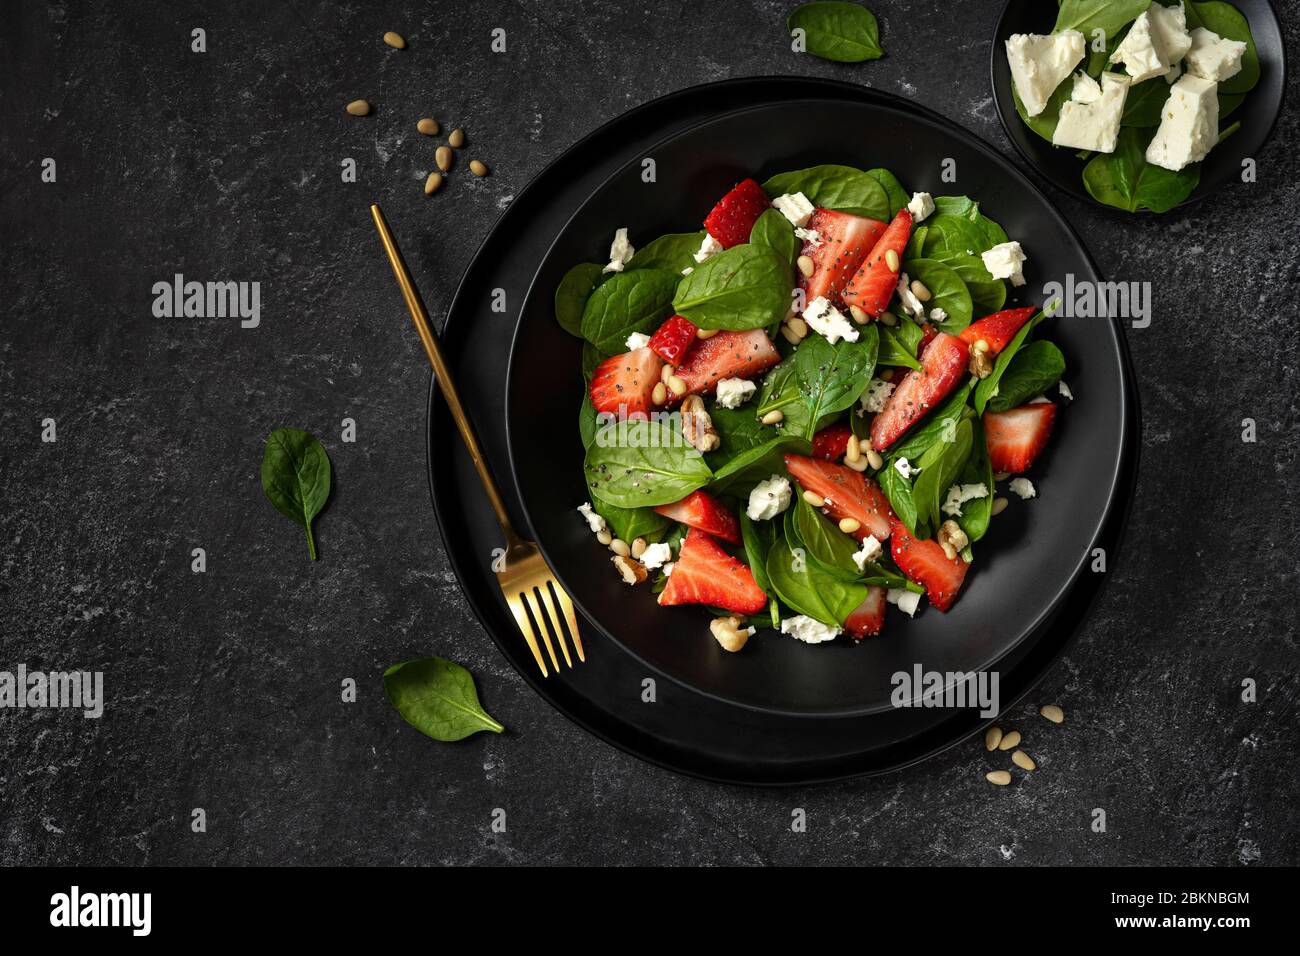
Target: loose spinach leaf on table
(940, 465)
(1105, 15)
(843, 32)
(832, 377)
(776, 232)
(572, 293)
(947, 292)
(674, 252)
(809, 589)
(296, 477)
(746, 287)
(976, 512)
(641, 463)
(898, 196)
(438, 698)
(1032, 371)
(627, 302)
(988, 387)
(1125, 180)
(841, 188)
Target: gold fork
(526, 580)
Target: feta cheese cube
(810, 236)
(1094, 125)
(1039, 64)
(1006, 261)
(1212, 57)
(1157, 40)
(823, 317)
(637, 340)
(938, 315)
(620, 252)
(769, 498)
(809, 630)
(795, 207)
(594, 521)
(709, 248)
(911, 304)
(656, 555)
(921, 206)
(958, 495)
(870, 551)
(905, 600)
(1189, 124)
(1064, 390)
(1024, 488)
(877, 394)
(734, 392)
(1086, 89)
(904, 468)
(1173, 73)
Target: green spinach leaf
(627, 302)
(296, 477)
(810, 590)
(745, 287)
(757, 463)
(1228, 22)
(572, 293)
(939, 424)
(977, 512)
(1044, 124)
(893, 351)
(438, 698)
(825, 543)
(1144, 102)
(947, 292)
(641, 463)
(898, 196)
(674, 252)
(899, 492)
(832, 377)
(940, 465)
(1032, 371)
(843, 32)
(587, 420)
(988, 387)
(1105, 15)
(841, 188)
(773, 230)
(1125, 180)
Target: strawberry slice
(673, 338)
(869, 616)
(1016, 436)
(705, 574)
(843, 241)
(727, 355)
(997, 329)
(928, 332)
(831, 442)
(848, 494)
(925, 563)
(701, 510)
(734, 216)
(943, 363)
(623, 385)
(873, 285)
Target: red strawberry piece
(734, 216)
(869, 616)
(847, 493)
(925, 563)
(831, 442)
(673, 339)
(997, 329)
(843, 241)
(1016, 437)
(622, 385)
(705, 574)
(928, 332)
(873, 285)
(701, 510)
(943, 363)
(727, 355)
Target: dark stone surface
(223, 688)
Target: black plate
(684, 731)
(1034, 552)
(1258, 112)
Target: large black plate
(1258, 112)
(684, 731)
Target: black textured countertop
(224, 688)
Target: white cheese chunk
(1064, 390)
(1086, 89)
(958, 495)
(1213, 57)
(657, 555)
(1173, 73)
(1006, 261)
(734, 392)
(823, 317)
(769, 498)
(911, 304)
(904, 468)
(809, 630)
(637, 340)
(620, 252)
(921, 206)
(1157, 40)
(594, 521)
(709, 248)
(810, 236)
(1039, 64)
(877, 394)
(795, 207)
(1094, 125)
(870, 551)
(905, 600)
(1189, 124)
(1024, 488)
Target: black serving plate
(1060, 166)
(684, 730)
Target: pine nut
(1053, 713)
(478, 168)
(992, 737)
(666, 373)
(874, 459)
(852, 450)
(772, 417)
(395, 40)
(799, 327)
(1010, 740)
(432, 183)
(920, 291)
(850, 525)
(980, 344)
(443, 156)
(604, 537)
(638, 547)
(660, 393)
(999, 506)
(860, 465)
(859, 316)
(620, 547)
(1023, 760)
(787, 333)
(457, 138)
(891, 260)
(676, 385)
(358, 108)
(429, 127)
(999, 778)
(706, 333)
(814, 499)
(888, 318)
(805, 265)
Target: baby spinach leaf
(675, 252)
(587, 420)
(745, 287)
(628, 302)
(739, 429)
(947, 292)
(977, 512)
(1125, 180)
(1044, 124)
(899, 492)
(940, 422)
(592, 357)
(296, 477)
(940, 465)
(825, 543)
(438, 698)
(1144, 102)
(843, 32)
(952, 234)
(641, 463)
(572, 293)
(758, 538)
(832, 377)
(1105, 15)
(962, 206)
(775, 231)
(782, 390)
(892, 350)
(1227, 21)
(898, 196)
(841, 188)
(987, 294)
(1032, 371)
(988, 387)
(810, 590)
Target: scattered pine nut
(604, 537)
(638, 547)
(999, 506)
(429, 127)
(920, 290)
(799, 327)
(676, 385)
(772, 417)
(874, 459)
(395, 40)
(980, 344)
(443, 156)
(1023, 760)
(850, 525)
(805, 265)
(457, 138)
(992, 737)
(432, 183)
(706, 333)
(1052, 713)
(860, 465)
(888, 318)
(999, 778)
(666, 373)
(891, 260)
(620, 547)
(1009, 741)
(787, 333)
(478, 168)
(660, 393)
(358, 108)
(852, 450)
(859, 316)
(814, 499)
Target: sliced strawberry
(705, 574)
(843, 241)
(925, 563)
(673, 339)
(928, 332)
(734, 216)
(848, 494)
(1017, 436)
(701, 510)
(943, 363)
(622, 385)
(869, 616)
(831, 442)
(727, 355)
(997, 329)
(873, 285)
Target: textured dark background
(224, 688)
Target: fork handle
(442, 374)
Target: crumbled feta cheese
(1173, 73)
(1156, 41)
(808, 630)
(795, 207)
(734, 392)
(769, 498)
(1040, 400)
(656, 555)
(870, 551)
(594, 521)
(1064, 390)
(823, 317)
(688, 270)
(668, 568)
(1085, 89)
(1213, 57)
(911, 304)
(1094, 125)
(810, 236)
(938, 315)
(637, 340)
(1039, 64)
(958, 495)
(904, 468)
(1189, 124)
(620, 252)
(1023, 487)
(1006, 261)
(877, 394)
(709, 248)
(921, 206)
(905, 600)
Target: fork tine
(566, 605)
(545, 591)
(541, 626)
(521, 618)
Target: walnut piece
(697, 426)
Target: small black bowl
(1060, 166)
